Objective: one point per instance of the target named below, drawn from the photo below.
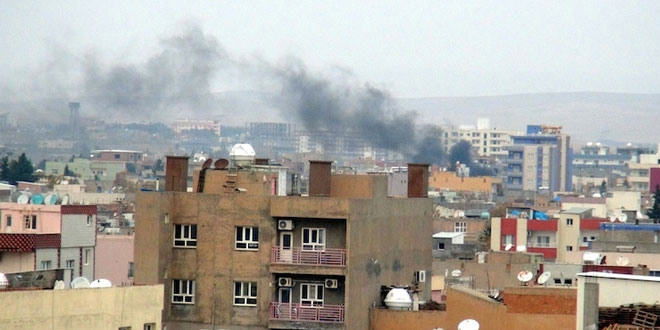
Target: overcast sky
(414, 48)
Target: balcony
(298, 256)
(299, 313)
(541, 245)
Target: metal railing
(297, 312)
(298, 256)
(541, 245)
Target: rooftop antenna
(468, 324)
(543, 278)
(525, 276)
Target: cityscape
(167, 180)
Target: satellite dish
(37, 199)
(80, 283)
(622, 261)
(59, 285)
(521, 248)
(508, 247)
(24, 198)
(207, 163)
(65, 200)
(525, 276)
(612, 218)
(220, 164)
(623, 217)
(100, 283)
(496, 294)
(543, 278)
(456, 273)
(468, 324)
(596, 195)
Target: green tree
(5, 174)
(654, 212)
(21, 169)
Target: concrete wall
(113, 253)
(651, 260)
(16, 262)
(628, 200)
(88, 267)
(90, 309)
(567, 235)
(76, 231)
(465, 304)
(48, 218)
(46, 255)
(72, 254)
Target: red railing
(296, 312)
(298, 256)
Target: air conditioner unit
(285, 282)
(285, 224)
(420, 276)
(331, 283)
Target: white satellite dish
(543, 278)
(456, 273)
(612, 218)
(622, 261)
(59, 285)
(521, 248)
(496, 294)
(80, 283)
(525, 276)
(100, 283)
(468, 324)
(508, 247)
(623, 217)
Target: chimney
(176, 173)
(418, 180)
(319, 178)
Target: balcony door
(284, 296)
(286, 251)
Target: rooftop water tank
(24, 197)
(37, 199)
(242, 154)
(398, 299)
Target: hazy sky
(414, 48)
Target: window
(247, 238)
(89, 220)
(654, 272)
(149, 326)
(30, 222)
(124, 328)
(245, 293)
(568, 281)
(311, 295)
(569, 222)
(117, 156)
(460, 227)
(185, 235)
(70, 264)
(508, 239)
(558, 281)
(46, 264)
(569, 248)
(441, 246)
(183, 291)
(9, 221)
(88, 256)
(313, 239)
(543, 241)
(131, 269)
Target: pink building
(114, 258)
(40, 237)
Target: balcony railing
(296, 312)
(541, 245)
(298, 256)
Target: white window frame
(149, 326)
(89, 220)
(247, 294)
(312, 290)
(87, 256)
(249, 239)
(30, 222)
(569, 248)
(460, 227)
(569, 221)
(505, 241)
(443, 246)
(186, 292)
(46, 264)
(542, 238)
(73, 264)
(319, 244)
(187, 237)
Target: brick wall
(531, 300)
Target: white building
(486, 141)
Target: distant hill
(587, 116)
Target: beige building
(133, 307)
(245, 258)
(485, 141)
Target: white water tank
(398, 299)
(242, 154)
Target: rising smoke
(177, 81)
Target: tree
(654, 212)
(5, 174)
(21, 169)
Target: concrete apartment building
(573, 230)
(485, 141)
(239, 256)
(41, 237)
(539, 160)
